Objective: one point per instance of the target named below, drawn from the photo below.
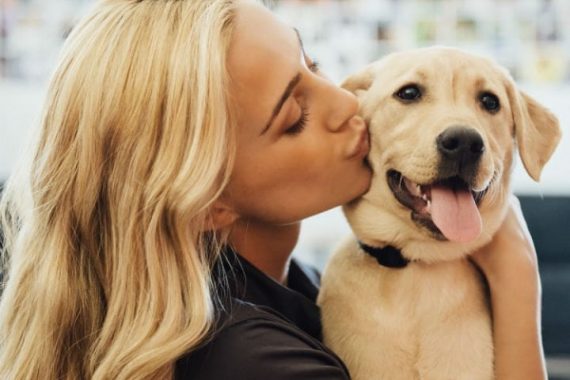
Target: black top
(265, 330)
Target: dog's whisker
(401, 184)
(495, 192)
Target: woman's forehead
(260, 38)
(264, 55)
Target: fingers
(511, 251)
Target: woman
(181, 144)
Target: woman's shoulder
(256, 343)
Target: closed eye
(300, 124)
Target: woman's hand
(510, 265)
(509, 261)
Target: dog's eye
(409, 93)
(490, 102)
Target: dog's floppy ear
(537, 131)
(360, 82)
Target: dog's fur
(431, 319)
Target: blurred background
(529, 37)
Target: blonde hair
(108, 265)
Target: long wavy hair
(107, 263)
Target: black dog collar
(388, 256)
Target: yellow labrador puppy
(400, 300)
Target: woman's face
(301, 146)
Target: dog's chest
(421, 321)
(430, 292)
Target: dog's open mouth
(448, 208)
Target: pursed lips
(361, 147)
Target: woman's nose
(342, 106)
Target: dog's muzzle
(448, 205)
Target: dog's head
(444, 125)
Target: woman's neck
(267, 247)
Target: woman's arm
(510, 265)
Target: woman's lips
(362, 146)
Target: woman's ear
(221, 215)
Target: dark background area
(548, 220)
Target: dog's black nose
(460, 144)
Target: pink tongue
(455, 214)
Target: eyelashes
(315, 66)
(299, 124)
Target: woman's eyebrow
(290, 87)
(288, 90)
